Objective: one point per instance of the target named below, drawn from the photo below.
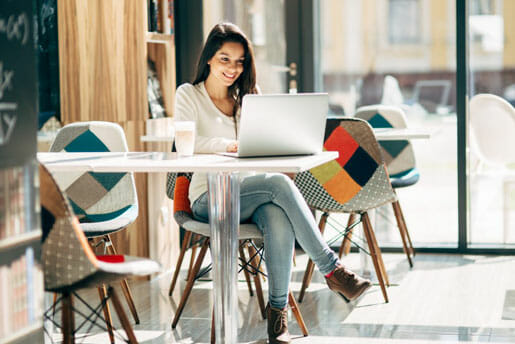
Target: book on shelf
(160, 16)
(21, 293)
(152, 12)
(13, 210)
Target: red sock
(330, 274)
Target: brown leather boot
(347, 283)
(277, 325)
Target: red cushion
(181, 201)
(112, 258)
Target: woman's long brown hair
(220, 34)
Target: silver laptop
(282, 124)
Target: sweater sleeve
(186, 109)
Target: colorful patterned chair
(354, 183)
(400, 160)
(104, 203)
(69, 264)
(178, 185)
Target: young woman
(225, 74)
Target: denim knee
(279, 183)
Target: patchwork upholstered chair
(69, 264)
(104, 203)
(400, 160)
(354, 183)
(248, 234)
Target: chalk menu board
(18, 83)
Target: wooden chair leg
(245, 271)
(185, 244)
(195, 238)
(296, 312)
(345, 246)
(257, 280)
(191, 281)
(102, 293)
(367, 229)
(213, 335)
(306, 279)
(308, 274)
(53, 305)
(378, 252)
(68, 323)
(125, 286)
(406, 232)
(402, 230)
(122, 316)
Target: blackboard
(18, 83)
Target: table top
(154, 138)
(382, 134)
(388, 134)
(170, 162)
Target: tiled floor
(446, 299)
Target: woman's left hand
(233, 147)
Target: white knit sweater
(214, 130)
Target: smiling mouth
(229, 76)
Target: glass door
(491, 168)
(402, 53)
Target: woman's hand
(233, 147)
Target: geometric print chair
(104, 203)
(69, 264)
(177, 189)
(353, 183)
(399, 157)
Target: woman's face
(227, 63)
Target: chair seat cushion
(406, 178)
(131, 266)
(94, 229)
(247, 230)
(108, 273)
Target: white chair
(492, 124)
(492, 128)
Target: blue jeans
(276, 206)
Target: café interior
(432, 82)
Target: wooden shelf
(24, 332)
(156, 37)
(20, 240)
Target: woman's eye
(240, 62)
(224, 59)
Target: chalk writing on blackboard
(7, 121)
(7, 110)
(6, 77)
(15, 27)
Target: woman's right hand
(233, 147)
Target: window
(481, 7)
(404, 22)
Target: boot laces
(347, 276)
(281, 321)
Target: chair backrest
(357, 180)
(492, 122)
(398, 155)
(66, 255)
(93, 196)
(181, 203)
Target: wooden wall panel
(102, 60)
(103, 76)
